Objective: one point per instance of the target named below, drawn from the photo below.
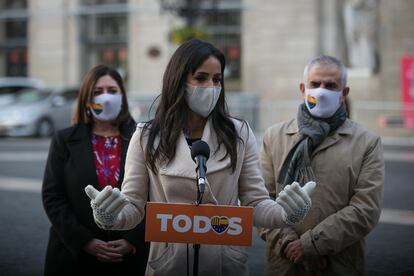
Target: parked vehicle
(36, 112)
(14, 84)
(11, 85)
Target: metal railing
(387, 118)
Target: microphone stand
(197, 246)
(200, 153)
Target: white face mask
(106, 107)
(202, 99)
(321, 102)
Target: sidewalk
(398, 141)
(389, 216)
(386, 140)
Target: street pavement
(24, 225)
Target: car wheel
(44, 128)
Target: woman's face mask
(202, 99)
(321, 102)
(106, 107)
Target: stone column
(279, 37)
(47, 41)
(149, 47)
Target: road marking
(23, 156)
(389, 155)
(395, 216)
(397, 141)
(407, 156)
(388, 216)
(20, 184)
(18, 142)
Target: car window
(11, 89)
(6, 99)
(70, 94)
(30, 96)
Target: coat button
(316, 237)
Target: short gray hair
(326, 60)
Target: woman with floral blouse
(92, 151)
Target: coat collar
(183, 166)
(79, 145)
(292, 127)
(80, 148)
(344, 129)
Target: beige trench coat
(346, 202)
(175, 183)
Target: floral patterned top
(107, 152)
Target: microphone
(200, 152)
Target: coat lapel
(292, 130)
(80, 149)
(126, 130)
(215, 162)
(334, 138)
(183, 166)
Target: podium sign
(199, 224)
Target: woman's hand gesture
(106, 205)
(295, 201)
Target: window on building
(104, 28)
(16, 28)
(103, 2)
(221, 20)
(13, 38)
(13, 4)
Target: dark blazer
(70, 168)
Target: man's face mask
(321, 102)
(202, 99)
(106, 107)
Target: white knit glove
(106, 205)
(295, 201)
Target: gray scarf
(297, 165)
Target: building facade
(266, 43)
(369, 36)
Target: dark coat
(70, 168)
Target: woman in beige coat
(192, 107)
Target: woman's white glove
(106, 205)
(295, 201)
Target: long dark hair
(85, 97)
(171, 114)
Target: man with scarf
(345, 160)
